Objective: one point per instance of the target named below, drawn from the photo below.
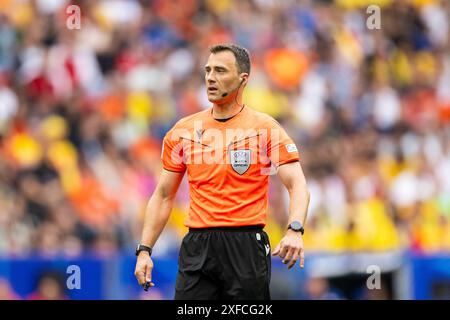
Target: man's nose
(210, 77)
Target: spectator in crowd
(318, 288)
(51, 286)
(6, 291)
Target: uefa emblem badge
(240, 160)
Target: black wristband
(142, 247)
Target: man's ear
(244, 78)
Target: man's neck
(227, 110)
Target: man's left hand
(290, 249)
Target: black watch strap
(142, 247)
(297, 227)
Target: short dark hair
(240, 53)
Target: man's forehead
(223, 58)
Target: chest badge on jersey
(240, 160)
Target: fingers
(290, 252)
(280, 250)
(140, 276)
(276, 250)
(143, 273)
(144, 279)
(148, 278)
(294, 259)
(283, 251)
(302, 258)
(148, 273)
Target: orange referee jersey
(228, 165)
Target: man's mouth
(212, 89)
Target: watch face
(296, 226)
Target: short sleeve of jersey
(172, 153)
(281, 148)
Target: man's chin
(214, 98)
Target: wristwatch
(297, 227)
(142, 247)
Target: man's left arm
(291, 247)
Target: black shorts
(224, 263)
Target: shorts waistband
(232, 229)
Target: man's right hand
(144, 267)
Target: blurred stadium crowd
(83, 112)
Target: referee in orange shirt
(228, 152)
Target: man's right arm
(159, 206)
(156, 215)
